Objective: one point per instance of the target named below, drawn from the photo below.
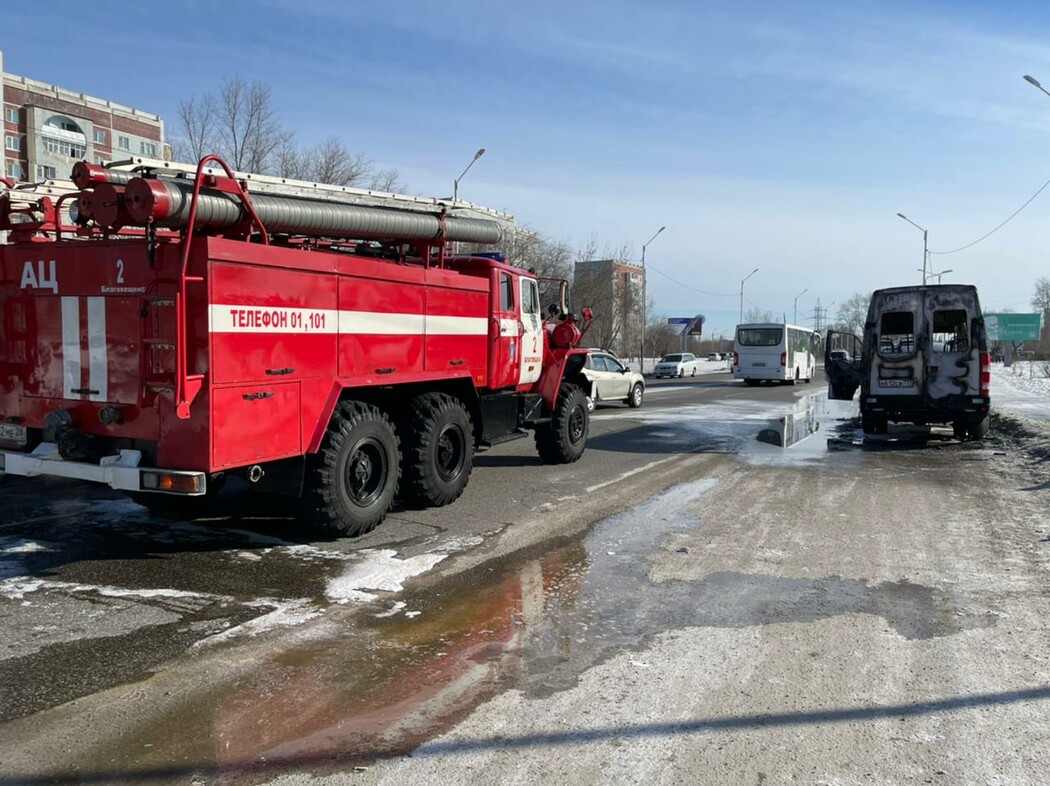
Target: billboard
(1013, 327)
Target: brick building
(614, 289)
(48, 128)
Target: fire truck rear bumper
(119, 472)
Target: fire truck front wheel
(438, 449)
(353, 481)
(562, 441)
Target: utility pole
(742, 293)
(641, 348)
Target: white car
(611, 380)
(680, 364)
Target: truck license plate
(759, 365)
(15, 434)
(896, 383)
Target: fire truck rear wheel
(563, 440)
(439, 449)
(353, 481)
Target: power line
(1007, 221)
(649, 266)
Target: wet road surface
(334, 667)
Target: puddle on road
(535, 625)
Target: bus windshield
(760, 337)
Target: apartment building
(48, 128)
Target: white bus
(774, 352)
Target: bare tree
(759, 315)
(1041, 295)
(197, 120)
(1041, 303)
(249, 132)
(240, 124)
(852, 313)
(387, 180)
(660, 338)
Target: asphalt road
(192, 652)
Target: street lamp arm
(1035, 83)
(455, 183)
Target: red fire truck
(323, 342)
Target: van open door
(843, 364)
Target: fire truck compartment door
(253, 423)
(86, 348)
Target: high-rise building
(49, 128)
(613, 288)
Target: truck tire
(439, 449)
(563, 440)
(637, 393)
(351, 483)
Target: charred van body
(923, 359)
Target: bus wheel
(439, 449)
(563, 440)
(351, 483)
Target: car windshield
(671, 359)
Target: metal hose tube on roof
(167, 202)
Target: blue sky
(782, 136)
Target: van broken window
(897, 334)
(950, 333)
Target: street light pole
(794, 319)
(455, 183)
(745, 278)
(931, 274)
(925, 248)
(827, 309)
(641, 343)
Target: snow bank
(1022, 389)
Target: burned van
(923, 359)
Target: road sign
(680, 324)
(1013, 327)
(696, 325)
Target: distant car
(715, 356)
(680, 364)
(611, 380)
(838, 354)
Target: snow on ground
(1022, 389)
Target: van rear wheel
(963, 430)
(874, 424)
